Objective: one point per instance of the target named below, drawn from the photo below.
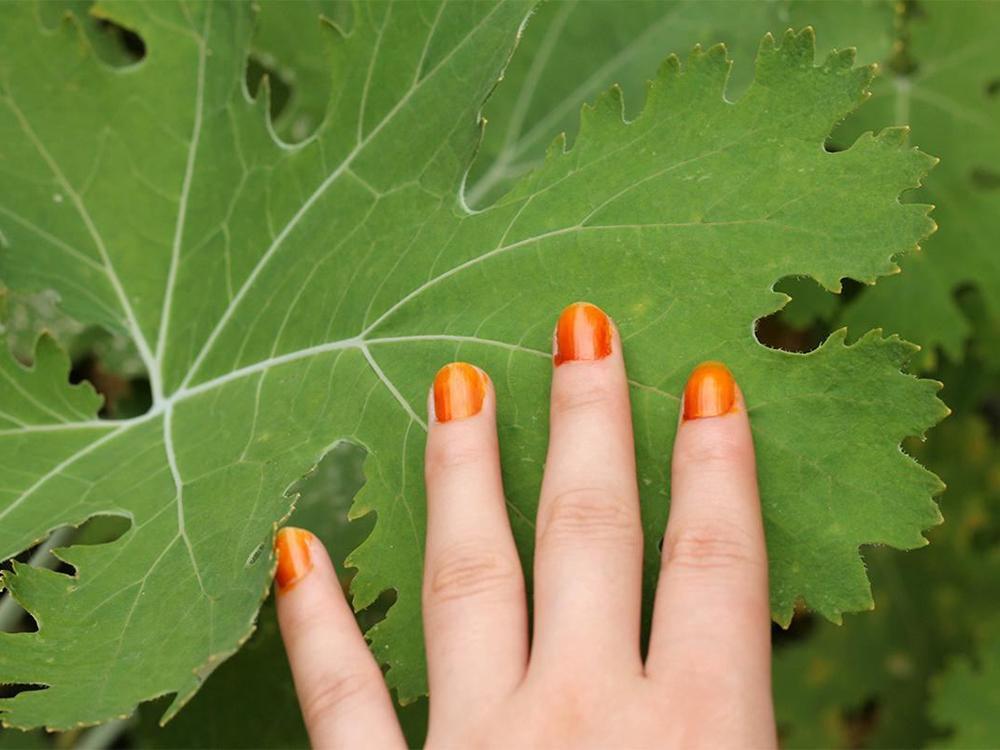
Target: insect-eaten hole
(111, 42)
(281, 86)
(98, 529)
(984, 178)
(806, 319)
(125, 389)
(14, 689)
(832, 147)
(110, 363)
(103, 528)
(132, 46)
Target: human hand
(705, 681)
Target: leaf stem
(102, 736)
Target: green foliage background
(922, 669)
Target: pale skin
(581, 679)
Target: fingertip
(460, 391)
(293, 548)
(711, 391)
(584, 333)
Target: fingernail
(459, 390)
(294, 560)
(583, 334)
(710, 391)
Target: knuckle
(710, 450)
(302, 619)
(338, 692)
(445, 456)
(592, 513)
(580, 398)
(711, 547)
(469, 570)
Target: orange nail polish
(710, 391)
(583, 334)
(459, 390)
(294, 560)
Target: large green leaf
(947, 90)
(285, 299)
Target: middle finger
(588, 558)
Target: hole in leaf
(986, 179)
(98, 529)
(13, 689)
(811, 308)
(774, 332)
(124, 395)
(281, 89)
(113, 44)
(130, 43)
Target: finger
(344, 700)
(711, 619)
(475, 615)
(588, 557)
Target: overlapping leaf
(285, 299)
(867, 683)
(571, 51)
(948, 89)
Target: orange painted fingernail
(294, 560)
(583, 334)
(459, 390)
(710, 391)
